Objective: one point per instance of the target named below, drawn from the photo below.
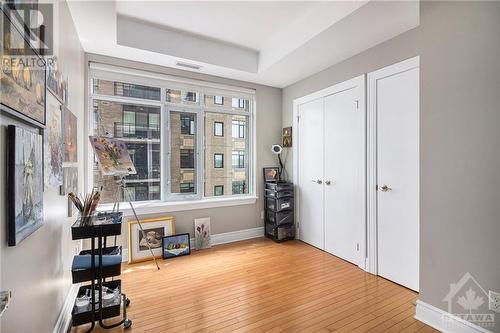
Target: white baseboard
(444, 321)
(64, 319)
(224, 238)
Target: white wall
(37, 271)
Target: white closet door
(310, 172)
(345, 171)
(396, 93)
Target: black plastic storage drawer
(280, 186)
(279, 194)
(279, 204)
(280, 233)
(279, 218)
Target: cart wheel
(127, 323)
(127, 302)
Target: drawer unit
(279, 218)
(279, 194)
(279, 204)
(280, 233)
(281, 186)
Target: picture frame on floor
(176, 246)
(154, 231)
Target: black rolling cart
(94, 266)
(279, 211)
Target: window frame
(222, 129)
(215, 161)
(164, 82)
(215, 190)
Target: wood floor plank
(261, 286)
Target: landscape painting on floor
(70, 136)
(175, 246)
(25, 183)
(22, 82)
(202, 233)
(53, 176)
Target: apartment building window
(239, 187)
(219, 100)
(218, 190)
(238, 159)
(218, 161)
(173, 133)
(218, 128)
(238, 129)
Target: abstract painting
(25, 183)
(22, 78)
(175, 246)
(70, 184)
(70, 136)
(53, 176)
(202, 233)
(154, 230)
(112, 155)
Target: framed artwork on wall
(53, 176)
(22, 77)
(70, 134)
(176, 246)
(154, 231)
(70, 184)
(25, 183)
(287, 137)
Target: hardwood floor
(261, 286)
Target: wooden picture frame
(155, 229)
(271, 174)
(182, 240)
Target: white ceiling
(273, 43)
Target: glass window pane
(182, 152)
(218, 128)
(182, 96)
(113, 88)
(227, 102)
(119, 120)
(218, 148)
(218, 190)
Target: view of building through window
(224, 136)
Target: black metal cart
(100, 269)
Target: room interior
(316, 166)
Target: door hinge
(298, 118)
(357, 247)
(357, 104)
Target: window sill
(178, 206)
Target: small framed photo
(176, 246)
(287, 137)
(154, 231)
(271, 174)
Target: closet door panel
(310, 172)
(345, 174)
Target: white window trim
(169, 202)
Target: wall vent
(186, 65)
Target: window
(219, 100)
(187, 124)
(218, 190)
(158, 120)
(186, 188)
(238, 129)
(238, 159)
(218, 128)
(218, 161)
(239, 187)
(187, 158)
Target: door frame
(358, 81)
(371, 146)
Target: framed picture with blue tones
(176, 246)
(25, 183)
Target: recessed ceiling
(273, 43)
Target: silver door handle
(328, 182)
(384, 188)
(319, 181)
